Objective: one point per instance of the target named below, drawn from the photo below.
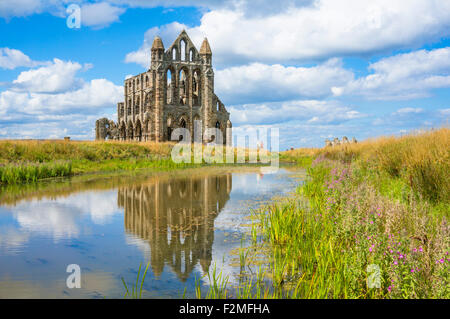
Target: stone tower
(176, 90)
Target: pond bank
(29, 161)
(182, 222)
(371, 221)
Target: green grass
(135, 291)
(382, 204)
(31, 172)
(29, 161)
(301, 160)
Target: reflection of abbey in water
(176, 217)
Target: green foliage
(217, 285)
(136, 289)
(31, 172)
(344, 222)
(30, 161)
(324, 251)
(298, 160)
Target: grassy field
(371, 221)
(29, 161)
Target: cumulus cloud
(314, 111)
(94, 94)
(100, 14)
(403, 76)
(167, 32)
(258, 82)
(313, 128)
(250, 7)
(96, 15)
(50, 218)
(409, 118)
(60, 217)
(325, 29)
(52, 102)
(59, 76)
(20, 8)
(12, 58)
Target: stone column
(159, 97)
(207, 100)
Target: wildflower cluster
(403, 239)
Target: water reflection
(182, 222)
(176, 218)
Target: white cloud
(12, 240)
(314, 111)
(260, 82)
(403, 76)
(12, 58)
(53, 218)
(446, 113)
(100, 14)
(326, 29)
(60, 217)
(97, 15)
(56, 77)
(412, 118)
(51, 102)
(22, 8)
(167, 33)
(409, 110)
(19, 8)
(94, 94)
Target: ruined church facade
(177, 90)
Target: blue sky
(314, 69)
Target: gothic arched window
(182, 84)
(169, 87)
(174, 53)
(183, 50)
(196, 88)
(136, 106)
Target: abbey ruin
(177, 90)
(336, 141)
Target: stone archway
(130, 131)
(138, 131)
(122, 132)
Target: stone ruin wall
(177, 90)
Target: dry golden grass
(298, 152)
(421, 159)
(17, 151)
(39, 151)
(414, 146)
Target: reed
(136, 289)
(31, 172)
(28, 161)
(326, 249)
(370, 221)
